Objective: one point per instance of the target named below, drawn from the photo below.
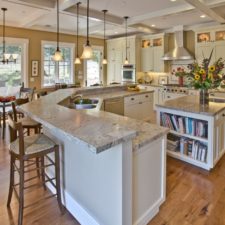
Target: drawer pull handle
(132, 99)
(140, 102)
(223, 114)
(146, 96)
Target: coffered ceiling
(146, 16)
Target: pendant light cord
(57, 25)
(77, 24)
(87, 22)
(104, 11)
(126, 17)
(3, 9)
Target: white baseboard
(79, 213)
(149, 214)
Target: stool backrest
(16, 131)
(27, 92)
(18, 101)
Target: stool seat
(28, 122)
(32, 144)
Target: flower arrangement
(179, 72)
(206, 76)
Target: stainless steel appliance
(128, 73)
(115, 105)
(173, 91)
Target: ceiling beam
(97, 15)
(144, 28)
(159, 13)
(65, 4)
(206, 10)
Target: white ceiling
(164, 14)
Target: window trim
(24, 66)
(61, 44)
(95, 47)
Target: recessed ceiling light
(153, 25)
(173, 0)
(115, 32)
(203, 16)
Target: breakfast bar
(113, 167)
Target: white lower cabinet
(139, 106)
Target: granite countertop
(191, 104)
(109, 129)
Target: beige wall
(34, 52)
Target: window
(93, 67)
(13, 74)
(57, 72)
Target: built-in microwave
(128, 73)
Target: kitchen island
(197, 132)
(113, 167)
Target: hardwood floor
(194, 197)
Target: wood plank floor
(194, 197)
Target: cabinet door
(110, 72)
(219, 136)
(147, 110)
(132, 111)
(117, 72)
(220, 51)
(203, 51)
(147, 59)
(158, 63)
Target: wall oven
(128, 73)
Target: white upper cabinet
(153, 48)
(208, 40)
(116, 54)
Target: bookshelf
(198, 139)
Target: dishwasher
(115, 105)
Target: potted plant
(206, 76)
(180, 73)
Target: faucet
(74, 97)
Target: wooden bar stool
(27, 123)
(25, 149)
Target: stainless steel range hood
(179, 52)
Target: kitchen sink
(85, 103)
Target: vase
(204, 97)
(181, 81)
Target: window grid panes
(11, 73)
(57, 72)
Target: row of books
(185, 125)
(193, 149)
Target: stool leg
(28, 131)
(12, 161)
(57, 175)
(21, 193)
(43, 171)
(37, 166)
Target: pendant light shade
(126, 60)
(6, 58)
(77, 60)
(58, 54)
(87, 51)
(104, 61)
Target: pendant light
(104, 61)
(77, 60)
(126, 60)
(58, 55)
(6, 58)
(87, 52)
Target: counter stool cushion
(32, 144)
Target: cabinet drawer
(138, 98)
